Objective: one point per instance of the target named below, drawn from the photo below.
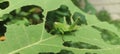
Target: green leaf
(34, 39)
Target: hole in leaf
(2, 31)
(63, 51)
(27, 15)
(108, 36)
(80, 45)
(46, 53)
(80, 18)
(90, 53)
(4, 5)
(59, 21)
(87, 53)
(17, 53)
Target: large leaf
(35, 39)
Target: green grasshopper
(63, 28)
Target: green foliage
(89, 8)
(34, 39)
(85, 6)
(104, 15)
